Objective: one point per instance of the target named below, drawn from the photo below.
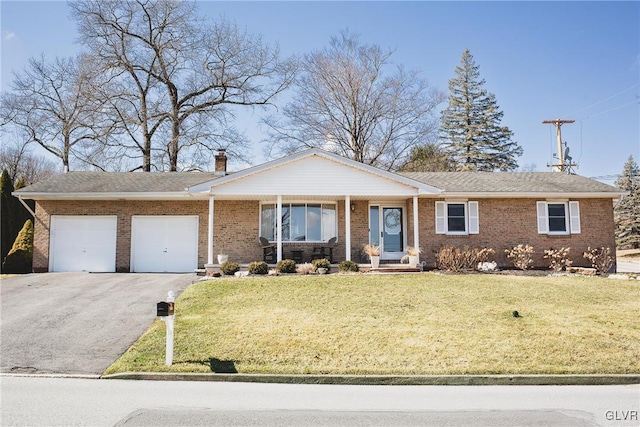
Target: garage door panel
(164, 243)
(83, 243)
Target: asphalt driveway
(77, 323)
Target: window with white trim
(301, 222)
(558, 217)
(457, 218)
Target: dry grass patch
(399, 324)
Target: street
(39, 401)
(628, 266)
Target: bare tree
(49, 104)
(20, 162)
(174, 73)
(344, 103)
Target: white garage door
(83, 243)
(162, 244)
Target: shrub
(258, 267)
(286, 266)
(456, 259)
(558, 259)
(600, 259)
(321, 263)
(305, 268)
(346, 266)
(521, 256)
(229, 268)
(19, 258)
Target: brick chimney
(221, 163)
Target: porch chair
(269, 251)
(325, 251)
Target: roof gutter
(176, 195)
(516, 195)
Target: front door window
(392, 226)
(386, 229)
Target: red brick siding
(504, 223)
(236, 230)
(123, 209)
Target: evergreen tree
(627, 211)
(428, 158)
(8, 229)
(470, 127)
(19, 260)
(12, 213)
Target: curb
(50, 375)
(587, 379)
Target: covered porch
(293, 217)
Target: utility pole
(564, 161)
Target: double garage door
(158, 243)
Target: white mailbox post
(166, 313)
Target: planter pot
(322, 270)
(222, 258)
(413, 261)
(375, 261)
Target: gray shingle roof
(449, 182)
(510, 182)
(118, 182)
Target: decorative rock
(487, 266)
(619, 276)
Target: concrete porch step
(390, 268)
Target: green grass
(399, 324)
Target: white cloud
(8, 35)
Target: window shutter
(543, 220)
(441, 217)
(574, 217)
(474, 226)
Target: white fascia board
(522, 195)
(107, 196)
(208, 186)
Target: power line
(601, 100)
(605, 177)
(610, 110)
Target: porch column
(416, 232)
(210, 232)
(279, 227)
(347, 227)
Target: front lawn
(399, 324)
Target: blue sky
(542, 60)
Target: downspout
(26, 206)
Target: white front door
(162, 244)
(386, 229)
(83, 243)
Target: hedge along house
(178, 222)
